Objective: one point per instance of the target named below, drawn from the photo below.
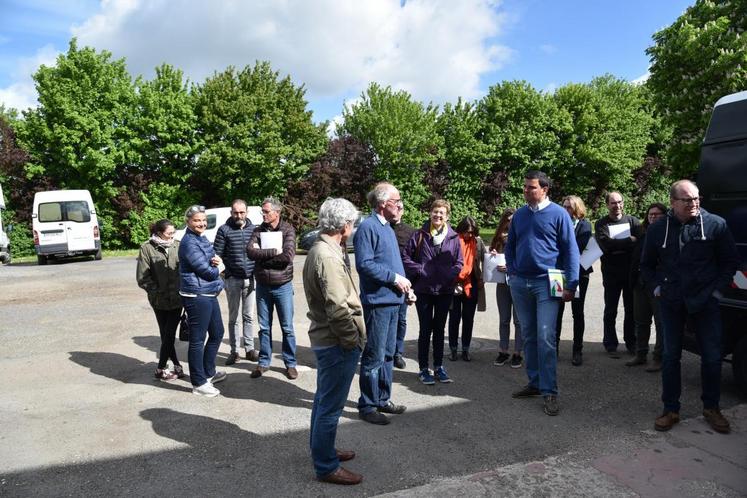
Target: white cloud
(437, 50)
(641, 79)
(21, 94)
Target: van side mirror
(93, 211)
(33, 216)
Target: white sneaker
(218, 377)
(207, 389)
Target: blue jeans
(707, 323)
(204, 319)
(432, 313)
(377, 360)
(537, 313)
(401, 330)
(335, 369)
(268, 297)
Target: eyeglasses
(396, 202)
(266, 211)
(688, 200)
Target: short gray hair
(274, 204)
(335, 213)
(379, 194)
(193, 210)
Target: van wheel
(97, 256)
(739, 364)
(41, 260)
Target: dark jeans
(612, 290)
(432, 313)
(168, 322)
(707, 324)
(579, 322)
(401, 330)
(204, 320)
(377, 360)
(462, 309)
(646, 307)
(335, 369)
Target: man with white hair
(337, 334)
(688, 256)
(383, 290)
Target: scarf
(468, 253)
(438, 235)
(160, 242)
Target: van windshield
(76, 211)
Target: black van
(722, 180)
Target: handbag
(184, 327)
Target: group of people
(669, 268)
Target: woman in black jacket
(582, 228)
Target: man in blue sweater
(383, 288)
(540, 238)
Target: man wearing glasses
(688, 256)
(616, 235)
(383, 288)
(230, 244)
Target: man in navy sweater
(383, 287)
(540, 238)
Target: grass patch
(118, 253)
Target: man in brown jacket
(273, 247)
(337, 334)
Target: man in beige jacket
(337, 334)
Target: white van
(217, 217)
(4, 241)
(65, 224)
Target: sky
(437, 50)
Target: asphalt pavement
(82, 414)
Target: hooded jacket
(158, 274)
(433, 270)
(689, 261)
(230, 244)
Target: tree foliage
(402, 134)
(700, 58)
(257, 134)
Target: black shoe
(526, 392)
(453, 356)
(392, 409)
(613, 354)
(466, 356)
(501, 359)
(374, 417)
(399, 362)
(551, 405)
(232, 358)
(578, 359)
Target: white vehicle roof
(61, 195)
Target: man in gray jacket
(230, 244)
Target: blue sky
(437, 50)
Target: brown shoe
(342, 476)
(638, 359)
(258, 372)
(666, 421)
(291, 373)
(345, 455)
(717, 421)
(655, 366)
(252, 355)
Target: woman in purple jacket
(432, 261)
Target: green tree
(403, 135)
(467, 161)
(521, 128)
(80, 134)
(611, 130)
(257, 134)
(700, 58)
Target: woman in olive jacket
(158, 275)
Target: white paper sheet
(590, 254)
(271, 240)
(619, 231)
(490, 272)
